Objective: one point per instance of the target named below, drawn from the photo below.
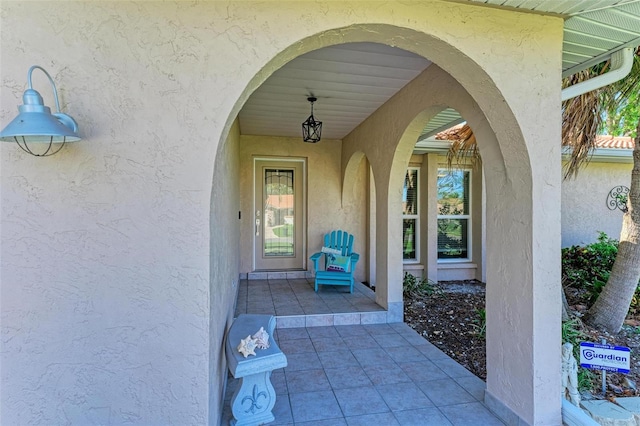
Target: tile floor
(347, 366)
(296, 304)
(377, 374)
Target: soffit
(352, 80)
(592, 30)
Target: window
(454, 215)
(410, 216)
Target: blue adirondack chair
(339, 260)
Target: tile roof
(602, 141)
(452, 133)
(614, 142)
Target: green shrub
(413, 287)
(588, 267)
(572, 333)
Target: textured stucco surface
(105, 246)
(584, 209)
(326, 209)
(223, 282)
(523, 204)
(118, 254)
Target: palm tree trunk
(612, 305)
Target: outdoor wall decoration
(617, 198)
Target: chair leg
(316, 286)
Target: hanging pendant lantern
(311, 129)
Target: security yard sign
(605, 357)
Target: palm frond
(582, 116)
(463, 149)
(581, 119)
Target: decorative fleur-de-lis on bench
(254, 399)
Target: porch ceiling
(351, 81)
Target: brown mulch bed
(450, 319)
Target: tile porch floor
(296, 304)
(361, 374)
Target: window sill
(412, 266)
(457, 265)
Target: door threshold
(278, 275)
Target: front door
(279, 225)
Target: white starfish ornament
(247, 346)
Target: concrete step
(324, 320)
(631, 404)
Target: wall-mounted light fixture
(311, 129)
(617, 198)
(36, 125)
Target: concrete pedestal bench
(254, 399)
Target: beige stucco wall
(584, 208)
(223, 272)
(523, 233)
(105, 248)
(326, 209)
(117, 258)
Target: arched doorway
(467, 87)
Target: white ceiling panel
(350, 81)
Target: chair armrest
(354, 259)
(315, 257)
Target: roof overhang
(593, 31)
(355, 79)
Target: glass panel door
(279, 214)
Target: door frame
(303, 162)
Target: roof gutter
(621, 64)
(605, 155)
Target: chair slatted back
(339, 240)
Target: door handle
(257, 223)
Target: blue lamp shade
(35, 124)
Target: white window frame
(462, 216)
(415, 217)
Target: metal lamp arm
(65, 119)
(53, 85)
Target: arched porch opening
(459, 82)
